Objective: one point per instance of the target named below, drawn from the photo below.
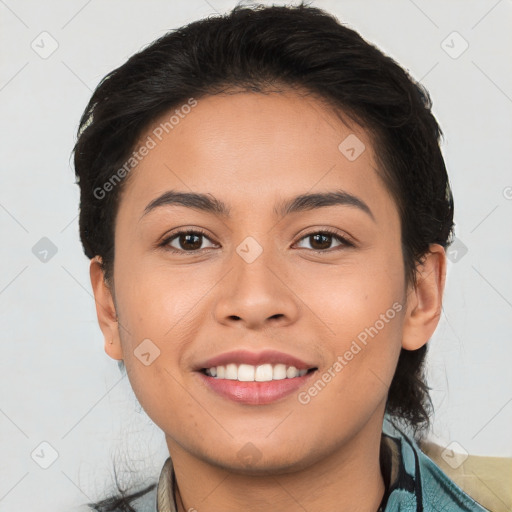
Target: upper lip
(242, 356)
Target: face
(321, 281)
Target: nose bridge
(255, 293)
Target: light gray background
(57, 385)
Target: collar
(165, 494)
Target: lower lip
(255, 393)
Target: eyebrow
(304, 202)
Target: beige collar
(165, 489)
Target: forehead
(247, 147)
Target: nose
(256, 293)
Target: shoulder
(419, 483)
(485, 479)
(441, 492)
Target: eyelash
(165, 243)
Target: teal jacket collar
(418, 484)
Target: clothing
(487, 479)
(414, 483)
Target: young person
(266, 210)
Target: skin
(252, 150)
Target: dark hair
(121, 502)
(258, 48)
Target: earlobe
(105, 310)
(424, 302)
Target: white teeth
(231, 372)
(245, 372)
(279, 372)
(263, 373)
(292, 372)
(250, 373)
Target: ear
(105, 309)
(424, 301)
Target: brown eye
(185, 241)
(321, 241)
(190, 241)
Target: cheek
(351, 295)
(360, 309)
(155, 299)
(159, 313)
(356, 377)
(156, 317)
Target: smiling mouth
(252, 373)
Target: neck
(349, 478)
